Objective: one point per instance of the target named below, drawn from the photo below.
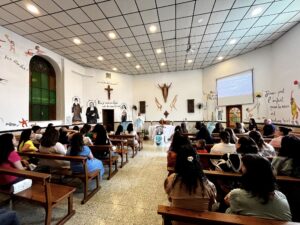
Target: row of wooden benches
(49, 194)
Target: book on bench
(21, 186)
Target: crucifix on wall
(108, 89)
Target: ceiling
(208, 25)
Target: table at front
(167, 129)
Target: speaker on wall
(190, 106)
(142, 107)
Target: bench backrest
(212, 218)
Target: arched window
(42, 103)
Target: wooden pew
(129, 141)
(43, 192)
(119, 143)
(221, 174)
(170, 214)
(109, 159)
(85, 177)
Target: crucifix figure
(108, 89)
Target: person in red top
(9, 158)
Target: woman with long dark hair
(119, 130)
(188, 187)
(203, 133)
(233, 138)
(252, 125)
(280, 132)
(9, 158)
(258, 195)
(218, 128)
(78, 148)
(100, 135)
(25, 142)
(246, 145)
(264, 149)
(224, 146)
(85, 131)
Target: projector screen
(236, 89)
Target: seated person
(50, 144)
(288, 160)
(252, 125)
(36, 135)
(239, 128)
(119, 130)
(233, 138)
(85, 133)
(188, 187)
(177, 141)
(279, 134)
(258, 196)
(224, 146)
(183, 127)
(78, 148)
(200, 146)
(25, 142)
(8, 217)
(269, 128)
(203, 133)
(246, 145)
(9, 158)
(131, 131)
(264, 149)
(218, 128)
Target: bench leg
(71, 211)
(48, 215)
(122, 161)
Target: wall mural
(92, 114)
(76, 110)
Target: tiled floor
(130, 197)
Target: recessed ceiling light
(256, 11)
(100, 58)
(137, 66)
(200, 20)
(77, 41)
(220, 58)
(127, 54)
(152, 28)
(112, 35)
(32, 8)
(189, 61)
(232, 41)
(162, 64)
(114, 69)
(158, 51)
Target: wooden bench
(129, 141)
(279, 179)
(109, 159)
(119, 143)
(43, 192)
(85, 177)
(170, 214)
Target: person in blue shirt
(78, 148)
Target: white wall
(275, 69)
(185, 85)
(94, 90)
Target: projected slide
(236, 89)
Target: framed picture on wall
(190, 105)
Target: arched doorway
(42, 92)
(233, 115)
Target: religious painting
(142, 107)
(76, 110)
(124, 113)
(190, 105)
(234, 115)
(92, 113)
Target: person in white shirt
(224, 146)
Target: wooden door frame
(228, 108)
(113, 114)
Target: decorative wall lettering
(16, 62)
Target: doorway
(233, 115)
(108, 119)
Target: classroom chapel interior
(108, 106)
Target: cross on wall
(108, 89)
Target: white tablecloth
(168, 130)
